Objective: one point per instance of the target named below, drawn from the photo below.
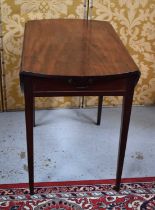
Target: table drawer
(79, 85)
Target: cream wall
(134, 21)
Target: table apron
(78, 93)
(58, 86)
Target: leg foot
(116, 188)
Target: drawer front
(79, 85)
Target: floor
(70, 146)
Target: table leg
(100, 101)
(29, 133)
(82, 103)
(34, 112)
(126, 112)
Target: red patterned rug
(137, 194)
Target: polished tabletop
(67, 47)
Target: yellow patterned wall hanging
(134, 21)
(1, 73)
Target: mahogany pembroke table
(76, 58)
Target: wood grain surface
(74, 48)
